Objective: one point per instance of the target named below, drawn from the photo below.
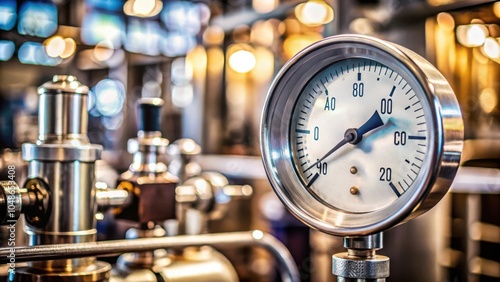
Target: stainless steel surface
(205, 197)
(208, 266)
(72, 196)
(433, 180)
(98, 271)
(62, 110)
(108, 198)
(60, 201)
(224, 240)
(346, 266)
(369, 242)
(361, 261)
(10, 202)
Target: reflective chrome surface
(445, 125)
(63, 162)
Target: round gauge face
(359, 135)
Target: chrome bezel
(442, 115)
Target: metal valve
(206, 197)
(361, 262)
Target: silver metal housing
(63, 160)
(442, 116)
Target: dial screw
(354, 190)
(353, 170)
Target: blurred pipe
(288, 269)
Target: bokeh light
(314, 13)
(472, 35)
(98, 27)
(142, 8)
(143, 37)
(8, 14)
(177, 44)
(488, 100)
(37, 19)
(110, 97)
(55, 46)
(34, 53)
(491, 48)
(182, 96)
(7, 49)
(242, 61)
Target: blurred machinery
(60, 200)
(211, 62)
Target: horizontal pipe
(286, 263)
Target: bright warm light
(445, 21)
(70, 47)
(257, 234)
(491, 48)
(264, 6)
(188, 145)
(213, 35)
(472, 35)
(488, 100)
(262, 33)
(362, 26)
(264, 68)
(242, 61)
(55, 46)
(142, 8)
(314, 13)
(196, 59)
(496, 9)
(296, 42)
(103, 51)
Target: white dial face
(359, 136)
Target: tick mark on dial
(414, 137)
(394, 189)
(303, 131)
(392, 91)
(312, 180)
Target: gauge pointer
(354, 135)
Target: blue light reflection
(7, 49)
(8, 14)
(34, 53)
(97, 27)
(37, 19)
(110, 97)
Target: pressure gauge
(359, 134)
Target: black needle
(353, 135)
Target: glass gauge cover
(359, 135)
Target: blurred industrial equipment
(212, 63)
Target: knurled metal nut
(370, 268)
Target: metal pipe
(288, 269)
